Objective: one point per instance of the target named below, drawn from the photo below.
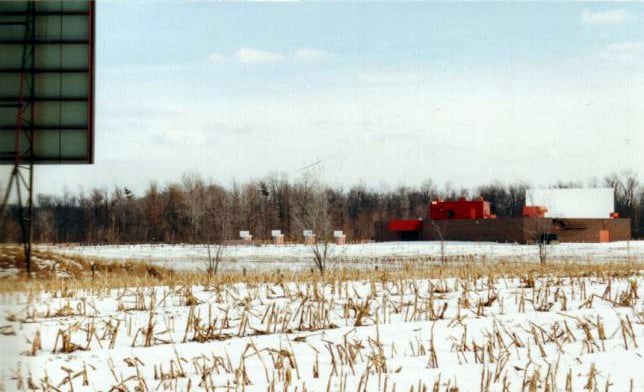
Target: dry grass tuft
(68, 274)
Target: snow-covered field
(526, 333)
(545, 334)
(386, 253)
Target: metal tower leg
(21, 180)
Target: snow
(335, 336)
(293, 257)
(9, 272)
(308, 335)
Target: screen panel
(573, 202)
(47, 81)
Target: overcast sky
(391, 93)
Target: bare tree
(214, 259)
(441, 232)
(625, 188)
(630, 185)
(543, 250)
(312, 213)
(218, 231)
(44, 222)
(194, 190)
(188, 210)
(542, 236)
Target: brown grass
(540, 287)
(75, 273)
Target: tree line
(194, 210)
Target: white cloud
(311, 55)
(257, 56)
(390, 78)
(184, 137)
(606, 18)
(215, 58)
(500, 111)
(624, 53)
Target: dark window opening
(409, 235)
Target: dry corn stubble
(343, 320)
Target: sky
(379, 92)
